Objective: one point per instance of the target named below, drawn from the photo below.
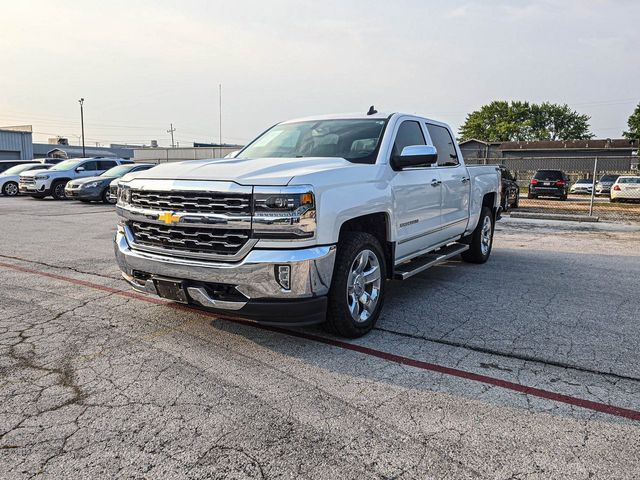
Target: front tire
(358, 285)
(57, 190)
(481, 239)
(10, 189)
(106, 197)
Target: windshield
(22, 168)
(117, 171)
(66, 165)
(353, 140)
(609, 178)
(585, 180)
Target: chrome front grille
(225, 203)
(226, 242)
(27, 181)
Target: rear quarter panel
(484, 179)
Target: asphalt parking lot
(526, 367)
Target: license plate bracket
(171, 289)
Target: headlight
(124, 194)
(284, 212)
(90, 185)
(41, 177)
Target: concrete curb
(554, 216)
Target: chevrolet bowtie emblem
(169, 218)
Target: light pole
(81, 102)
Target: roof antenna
(372, 111)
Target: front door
(416, 196)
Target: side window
(90, 166)
(105, 164)
(441, 138)
(408, 134)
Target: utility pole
(81, 101)
(171, 130)
(220, 110)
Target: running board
(420, 264)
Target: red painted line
(390, 357)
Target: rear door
(456, 184)
(416, 193)
(104, 165)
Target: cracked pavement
(94, 384)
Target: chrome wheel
(485, 235)
(363, 286)
(11, 189)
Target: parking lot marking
(390, 357)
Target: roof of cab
(360, 115)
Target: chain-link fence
(593, 186)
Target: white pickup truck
(308, 221)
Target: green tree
(634, 125)
(558, 122)
(501, 121)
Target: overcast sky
(141, 65)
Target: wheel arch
(379, 225)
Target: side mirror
(415, 156)
(80, 169)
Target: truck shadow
(521, 313)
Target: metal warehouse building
(16, 143)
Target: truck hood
(259, 171)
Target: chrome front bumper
(254, 277)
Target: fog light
(283, 276)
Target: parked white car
(584, 185)
(10, 178)
(626, 188)
(308, 221)
(53, 181)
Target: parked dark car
(96, 188)
(549, 183)
(510, 196)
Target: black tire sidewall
(339, 318)
(474, 254)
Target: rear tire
(10, 189)
(563, 198)
(531, 196)
(357, 287)
(481, 239)
(516, 202)
(57, 190)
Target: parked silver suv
(42, 183)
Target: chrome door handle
(465, 180)
(435, 182)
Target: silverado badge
(169, 218)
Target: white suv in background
(42, 183)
